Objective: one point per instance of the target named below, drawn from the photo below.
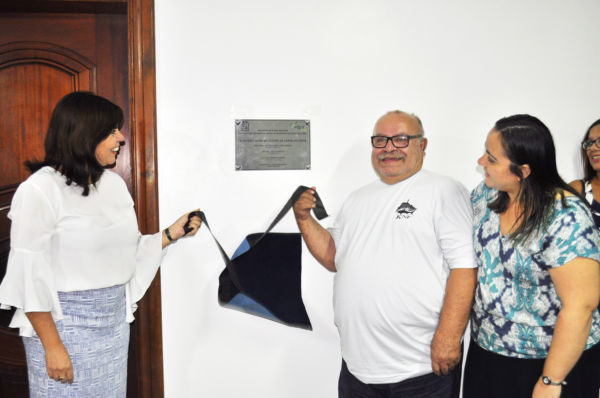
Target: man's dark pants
(426, 386)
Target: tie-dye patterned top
(516, 304)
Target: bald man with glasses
(402, 251)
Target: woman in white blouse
(78, 263)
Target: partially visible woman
(535, 326)
(589, 187)
(77, 263)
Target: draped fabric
(263, 277)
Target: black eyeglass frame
(408, 138)
(587, 144)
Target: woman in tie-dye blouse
(535, 326)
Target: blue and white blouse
(516, 304)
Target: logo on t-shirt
(405, 210)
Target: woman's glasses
(587, 144)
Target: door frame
(142, 108)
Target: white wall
(460, 65)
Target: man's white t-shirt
(395, 246)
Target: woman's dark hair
(588, 170)
(526, 140)
(79, 122)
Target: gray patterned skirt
(96, 336)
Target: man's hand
(318, 239)
(445, 354)
(305, 203)
(445, 346)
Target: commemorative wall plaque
(262, 144)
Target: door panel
(33, 77)
(91, 46)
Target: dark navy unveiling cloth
(263, 277)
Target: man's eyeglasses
(587, 144)
(398, 141)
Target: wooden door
(43, 56)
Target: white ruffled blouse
(63, 241)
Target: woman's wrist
(165, 238)
(552, 381)
(168, 235)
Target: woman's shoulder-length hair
(79, 122)
(527, 141)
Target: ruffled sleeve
(148, 258)
(29, 283)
